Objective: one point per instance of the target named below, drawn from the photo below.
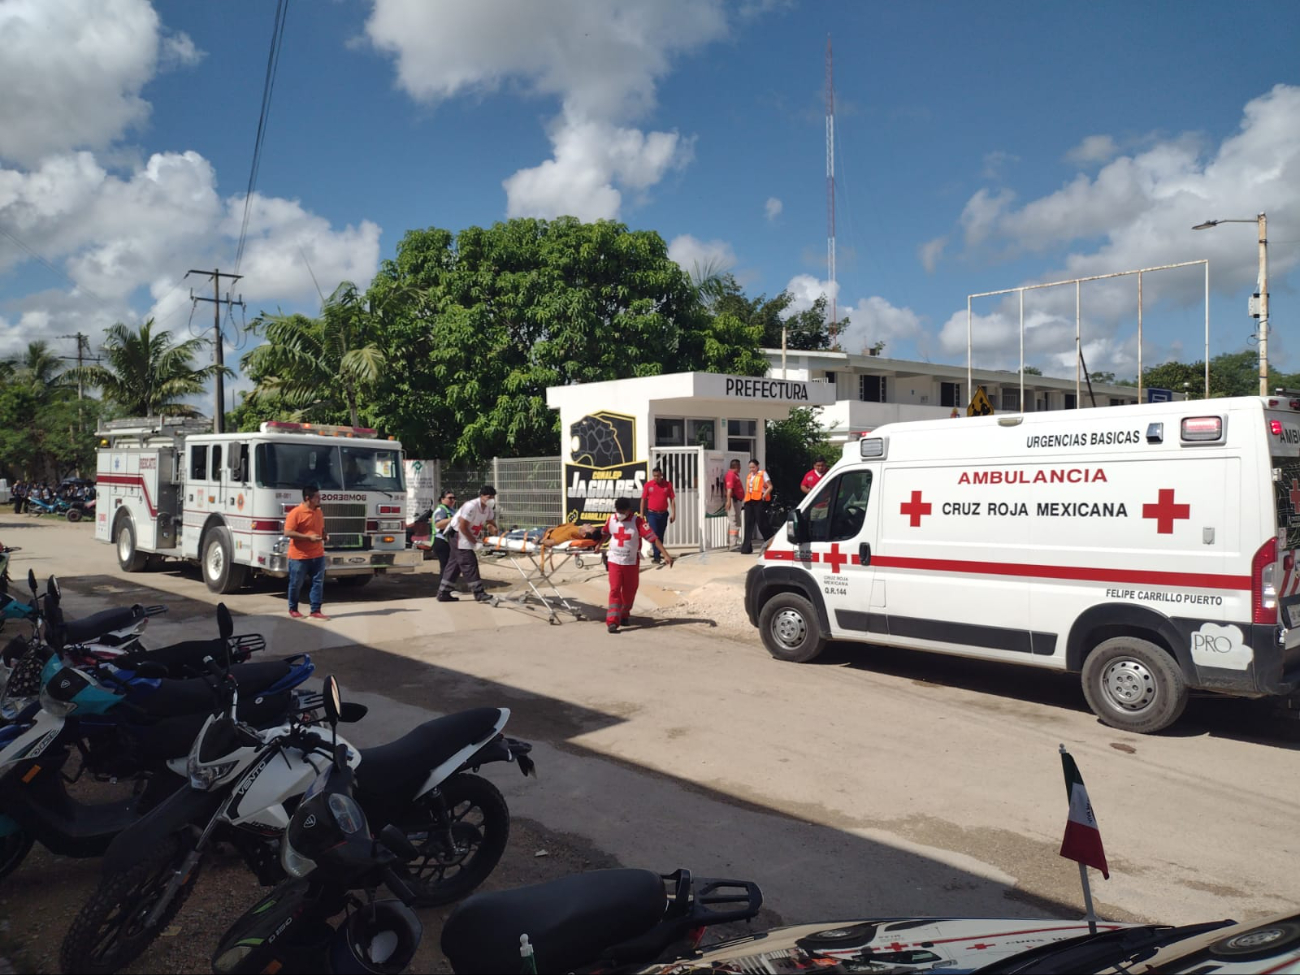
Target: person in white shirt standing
(466, 531)
(625, 529)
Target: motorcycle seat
(87, 628)
(393, 767)
(195, 694)
(569, 921)
(178, 657)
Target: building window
(1116, 401)
(669, 433)
(950, 394)
(1071, 401)
(1040, 404)
(1010, 401)
(830, 378)
(701, 433)
(198, 463)
(742, 428)
(871, 389)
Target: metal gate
(682, 467)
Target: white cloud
(805, 289)
(874, 320)
(996, 162)
(1138, 211)
(602, 61)
(72, 72)
(178, 51)
(692, 254)
(1093, 149)
(931, 251)
(772, 208)
(590, 157)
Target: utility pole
(219, 412)
(83, 347)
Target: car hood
(883, 945)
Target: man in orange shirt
(305, 529)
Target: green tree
(315, 368)
(147, 373)
(480, 323)
(792, 446)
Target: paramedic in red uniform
(813, 476)
(658, 505)
(626, 529)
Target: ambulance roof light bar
(318, 429)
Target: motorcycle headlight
(347, 814)
(204, 766)
(294, 863)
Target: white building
(871, 391)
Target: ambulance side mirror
(796, 529)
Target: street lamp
(1262, 222)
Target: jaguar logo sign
(601, 468)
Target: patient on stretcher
(577, 536)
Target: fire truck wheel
(1134, 685)
(127, 557)
(788, 624)
(355, 582)
(220, 571)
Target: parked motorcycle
(244, 781)
(314, 921)
(605, 920)
(122, 726)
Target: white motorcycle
(244, 787)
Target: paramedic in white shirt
(468, 526)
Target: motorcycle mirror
(54, 589)
(31, 581)
(333, 700)
(352, 712)
(396, 841)
(225, 623)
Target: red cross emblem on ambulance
(916, 509)
(1165, 512)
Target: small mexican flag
(1082, 837)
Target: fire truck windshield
(330, 467)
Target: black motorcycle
(327, 917)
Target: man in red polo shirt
(733, 486)
(813, 476)
(658, 505)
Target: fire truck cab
(169, 488)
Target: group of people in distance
(458, 533)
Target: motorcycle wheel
(13, 851)
(478, 821)
(73, 514)
(109, 933)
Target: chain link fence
(528, 489)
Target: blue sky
(979, 147)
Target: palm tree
(147, 374)
(314, 365)
(39, 369)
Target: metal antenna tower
(830, 190)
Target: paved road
(880, 782)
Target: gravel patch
(720, 603)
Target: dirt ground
(40, 899)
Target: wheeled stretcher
(530, 560)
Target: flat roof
(698, 392)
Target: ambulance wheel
(789, 627)
(220, 571)
(128, 557)
(1134, 685)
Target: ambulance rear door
(1284, 460)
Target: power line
(35, 255)
(268, 86)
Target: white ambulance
(1151, 548)
(169, 488)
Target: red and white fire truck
(170, 488)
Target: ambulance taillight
(1263, 583)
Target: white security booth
(612, 434)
